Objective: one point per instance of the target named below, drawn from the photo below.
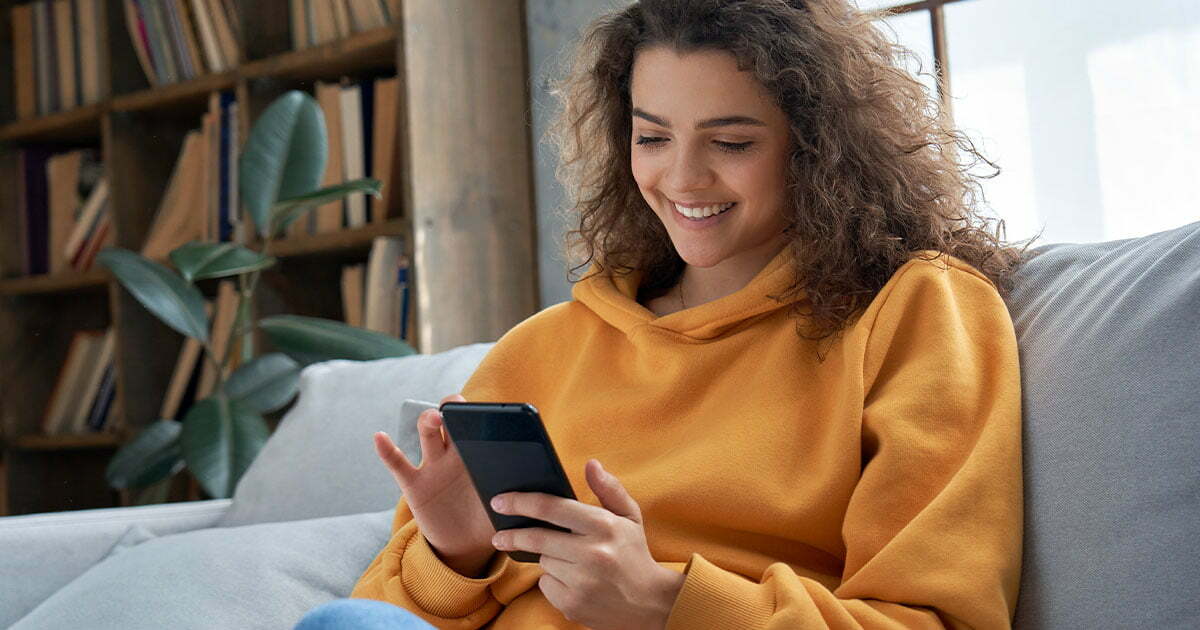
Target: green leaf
(284, 155)
(312, 340)
(266, 383)
(174, 301)
(220, 439)
(287, 210)
(150, 457)
(198, 260)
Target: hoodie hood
(614, 300)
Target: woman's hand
(440, 494)
(600, 574)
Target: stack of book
(62, 209)
(360, 125)
(317, 22)
(177, 40)
(201, 198)
(56, 55)
(83, 394)
(375, 296)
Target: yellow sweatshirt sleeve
(933, 528)
(409, 574)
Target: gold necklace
(682, 306)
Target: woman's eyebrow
(703, 124)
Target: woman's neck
(700, 285)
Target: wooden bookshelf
(476, 203)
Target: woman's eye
(731, 147)
(735, 147)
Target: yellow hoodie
(879, 489)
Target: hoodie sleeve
(409, 574)
(933, 527)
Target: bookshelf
(465, 213)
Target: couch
(1109, 338)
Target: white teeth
(698, 213)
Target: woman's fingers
(393, 457)
(429, 429)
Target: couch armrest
(41, 553)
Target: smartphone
(505, 448)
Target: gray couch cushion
(321, 460)
(257, 576)
(1110, 357)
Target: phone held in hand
(505, 448)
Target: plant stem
(245, 301)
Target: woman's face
(706, 134)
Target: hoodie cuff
(712, 597)
(440, 590)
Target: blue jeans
(360, 614)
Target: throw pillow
(321, 460)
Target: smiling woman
(786, 394)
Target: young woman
(787, 390)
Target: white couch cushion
(39, 553)
(321, 460)
(1110, 336)
(256, 576)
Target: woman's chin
(699, 256)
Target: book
(160, 46)
(329, 216)
(89, 47)
(213, 54)
(324, 22)
(102, 405)
(402, 293)
(382, 307)
(187, 36)
(385, 162)
(223, 26)
(62, 180)
(24, 64)
(64, 42)
(104, 236)
(34, 201)
(352, 295)
(180, 216)
(353, 166)
(95, 204)
(45, 58)
(135, 24)
(93, 376)
(299, 24)
(341, 18)
(84, 348)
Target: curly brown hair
(873, 178)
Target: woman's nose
(688, 171)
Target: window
(1091, 108)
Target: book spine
(225, 226)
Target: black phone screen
(505, 448)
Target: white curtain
(1091, 109)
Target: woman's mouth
(703, 212)
(696, 219)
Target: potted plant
(280, 170)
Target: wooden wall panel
(468, 150)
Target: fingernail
(499, 503)
(498, 542)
